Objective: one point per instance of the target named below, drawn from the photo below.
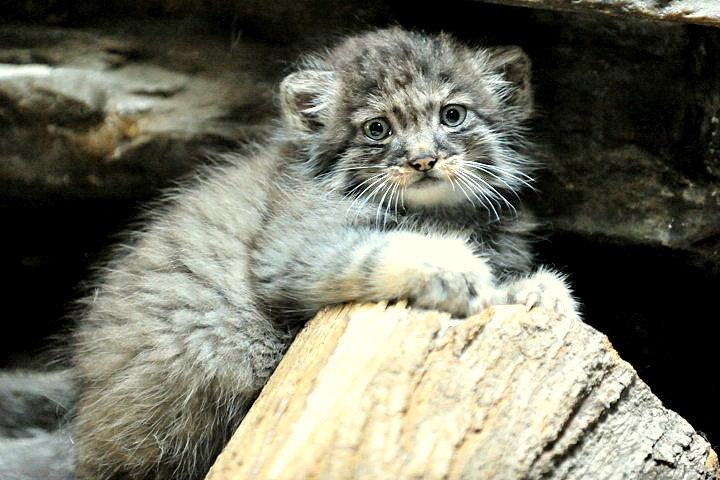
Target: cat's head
(419, 121)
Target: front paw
(434, 273)
(461, 293)
(546, 289)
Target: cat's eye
(453, 115)
(377, 129)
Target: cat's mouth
(425, 179)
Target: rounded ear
(513, 64)
(303, 96)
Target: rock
(630, 196)
(58, 96)
(105, 118)
(626, 121)
(705, 12)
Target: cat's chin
(433, 192)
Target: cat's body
(393, 174)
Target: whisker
(489, 196)
(377, 175)
(464, 181)
(380, 204)
(375, 179)
(397, 185)
(361, 167)
(393, 190)
(497, 178)
(389, 202)
(520, 177)
(487, 203)
(370, 195)
(452, 183)
(378, 178)
(496, 194)
(485, 182)
(466, 195)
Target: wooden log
(385, 392)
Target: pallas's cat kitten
(393, 174)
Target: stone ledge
(703, 12)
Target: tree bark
(387, 392)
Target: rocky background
(102, 104)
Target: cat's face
(410, 121)
(427, 144)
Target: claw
(532, 300)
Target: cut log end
(376, 391)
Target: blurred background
(103, 104)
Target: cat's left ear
(513, 64)
(303, 97)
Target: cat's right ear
(304, 95)
(513, 64)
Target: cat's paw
(546, 289)
(437, 274)
(459, 292)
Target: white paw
(546, 289)
(461, 293)
(435, 273)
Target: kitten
(393, 174)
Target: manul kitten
(394, 172)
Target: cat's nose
(423, 162)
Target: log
(386, 392)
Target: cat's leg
(167, 379)
(544, 288)
(344, 264)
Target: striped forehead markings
(407, 114)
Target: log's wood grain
(385, 392)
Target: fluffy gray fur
(34, 445)
(192, 316)
(44, 455)
(32, 402)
